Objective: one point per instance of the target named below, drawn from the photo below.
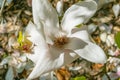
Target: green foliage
(79, 78)
(117, 39)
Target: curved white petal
(83, 34)
(92, 53)
(51, 60)
(45, 13)
(36, 37)
(77, 14)
(87, 50)
(33, 34)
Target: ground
(15, 17)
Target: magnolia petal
(44, 12)
(83, 34)
(33, 34)
(38, 41)
(116, 9)
(87, 50)
(77, 14)
(51, 60)
(92, 53)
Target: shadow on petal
(51, 60)
(87, 50)
(75, 43)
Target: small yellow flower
(25, 45)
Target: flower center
(61, 41)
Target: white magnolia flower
(60, 44)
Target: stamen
(61, 41)
(26, 46)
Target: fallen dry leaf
(97, 67)
(63, 74)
